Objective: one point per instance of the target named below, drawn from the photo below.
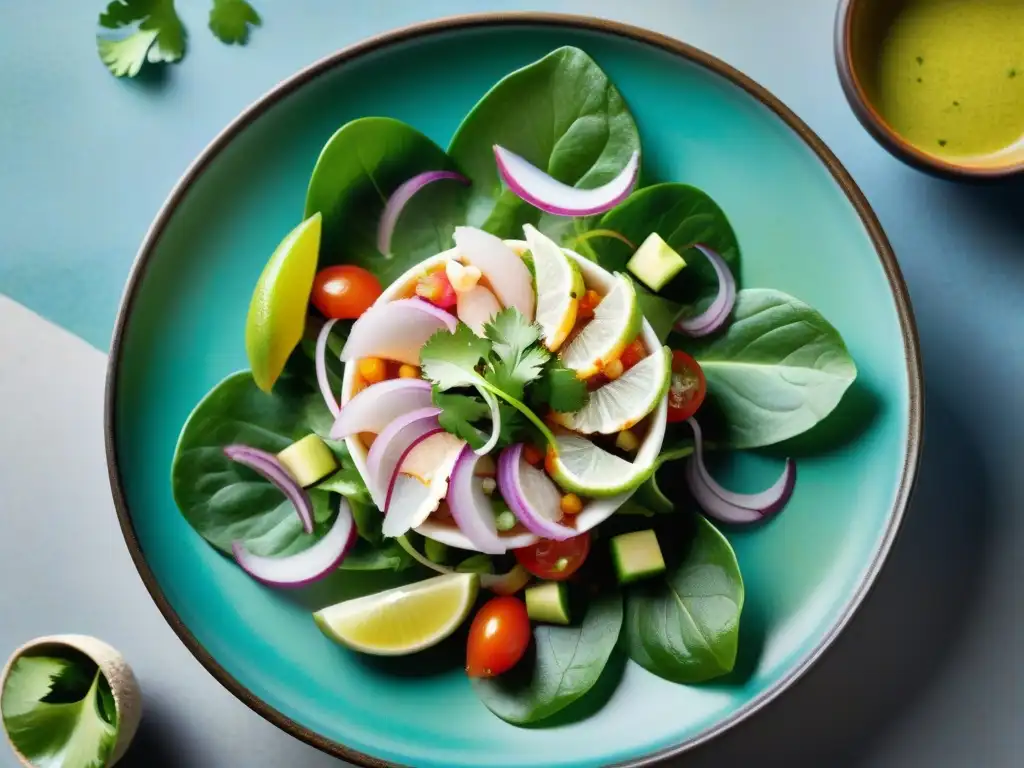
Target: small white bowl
(124, 686)
(597, 510)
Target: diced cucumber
(655, 262)
(637, 555)
(308, 460)
(548, 602)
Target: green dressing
(950, 78)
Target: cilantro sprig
(508, 364)
(136, 32)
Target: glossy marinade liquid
(951, 75)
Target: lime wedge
(277, 311)
(616, 322)
(401, 620)
(620, 404)
(583, 468)
(559, 288)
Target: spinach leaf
(361, 165)
(224, 501)
(55, 719)
(684, 626)
(563, 665)
(778, 369)
(683, 216)
(562, 114)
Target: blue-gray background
(930, 673)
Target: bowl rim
(598, 510)
(689, 53)
(879, 128)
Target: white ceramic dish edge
(597, 510)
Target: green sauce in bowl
(950, 75)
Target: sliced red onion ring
(321, 368)
(715, 316)
(470, 507)
(729, 506)
(500, 583)
(400, 198)
(421, 483)
(531, 495)
(552, 196)
(396, 330)
(270, 467)
(307, 566)
(378, 405)
(392, 445)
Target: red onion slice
(421, 482)
(396, 330)
(506, 272)
(552, 196)
(531, 495)
(470, 507)
(500, 583)
(378, 405)
(307, 566)
(715, 316)
(270, 467)
(729, 506)
(321, 368)
(401, 197)
(392, 445)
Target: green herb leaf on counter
(230, 21)
(139, 31)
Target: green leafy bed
(777, 370)
(58, 710)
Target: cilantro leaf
(450, 359)
(78, 730)
(559, 388)
(230, 21)
(515, 427)
(458, 412)
(519, 357)
(151, 31)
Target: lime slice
(620, 404)
(616, 322)
(583, 468)
(277, 311)
(559, 288)
(401, 620)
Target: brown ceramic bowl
(860, 29)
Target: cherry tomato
(633, 354)
(687, 388)
(498, 637)
(554, 560)
(344, 292)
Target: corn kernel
(613, 370)
(571, 504)
(488, 484)
(406, 371)
(372, 369)
(627, 441)
(462, 278)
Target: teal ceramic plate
(804, 229)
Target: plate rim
(894, 276)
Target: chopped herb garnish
(920, 80)
(942, 142)
(920, 60)
(1013, 73)
(956, 103)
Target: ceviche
(490, 370)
